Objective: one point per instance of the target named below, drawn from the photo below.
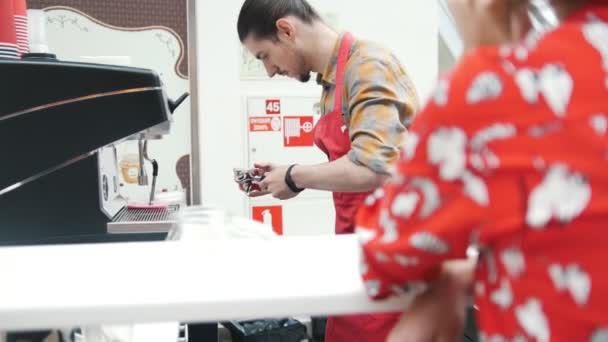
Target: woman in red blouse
(509, 159)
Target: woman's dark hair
(259, 17)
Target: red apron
(332, 137)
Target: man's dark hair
(259, 17)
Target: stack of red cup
(8, 36)
(20, 9)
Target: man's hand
(438, 315)
(258, 193)
(260, 190)
(274, 181)
(248, 181)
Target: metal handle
(174, 104)
(142, 176)
(144, 155)
(152, 189)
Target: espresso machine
(59, 122)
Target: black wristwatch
(289, 181)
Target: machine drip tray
(153, 220)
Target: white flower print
(428, 242)
(486, 86)
(446, 148)
(484, 160)
(481, 158)
(431, 195)
(599, 123)
(365, 235)
(556, 84)
(503, 296)
(573, 279)
(372, 287)
(600, 335)
(409, 147)
(379, 193)
(552, 81)
(441, 92)
(476, 189)
(596, 33)
(477, 161)
(533, 320)
(527, 83)
(405, 204)
(371, 199)
(562, 195)
(492, 160)
(406, 261)
(513, 261)
(391, 234)
(499, 131)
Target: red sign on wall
(264, 124)
(273, 107)
(270, 215)
(298, 131)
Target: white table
(127, 283)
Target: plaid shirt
(378, 101)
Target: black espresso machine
(59, 122)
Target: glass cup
(198, 223)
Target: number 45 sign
(273, 107)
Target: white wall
(408, 27)
(448, 32)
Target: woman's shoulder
(480, 79)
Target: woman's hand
(438, 315)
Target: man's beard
(304, 77)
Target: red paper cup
(20, 17)
(8, 36)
